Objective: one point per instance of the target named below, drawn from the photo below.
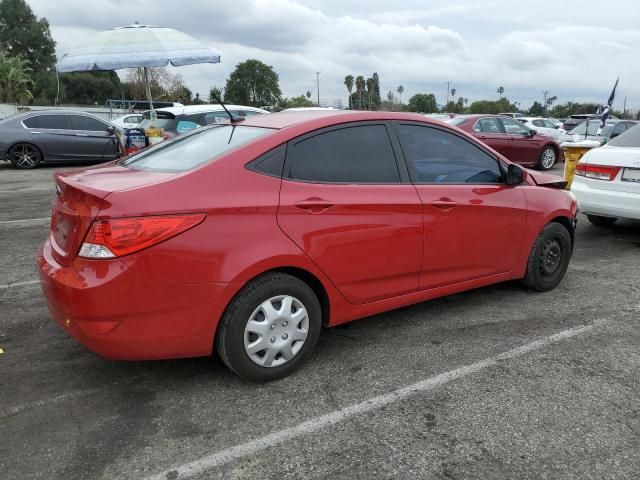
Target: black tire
(549, 258)
(230, 338)
(24, 156)
(601, 221)
(548, 158)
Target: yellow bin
(154, 134)
(573, 152)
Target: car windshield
(194, 149)
(594, 125)
(166, 120)
(630, 138)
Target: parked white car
(543, 126)
(129, 120)
(607, 180)
(555, 121)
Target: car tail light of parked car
(117, 237)
(599, 172)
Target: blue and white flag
(607, 107)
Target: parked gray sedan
(29, 139)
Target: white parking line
(19, 284)
(313, 425)
(26, 220)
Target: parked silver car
(48, 136)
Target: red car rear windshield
(192, 150)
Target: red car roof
(328, 117)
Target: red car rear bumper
(113, 309)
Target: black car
(48, 136)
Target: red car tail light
(599, 172)
(122, 236)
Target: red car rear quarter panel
(239, 230)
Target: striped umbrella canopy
(136, 46)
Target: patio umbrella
(136, 46)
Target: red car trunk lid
(80, 197)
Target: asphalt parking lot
(494, 383)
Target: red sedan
(246, 238)
(512, 139)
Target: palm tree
(500, 91)
(400, 92)
(466, 101)
(390, 98)
(348, 81)
(453, 95)
(14, 79)
(371, 85)
(360, 86)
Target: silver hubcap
(276, 331)
(548, 158)
(25, 156)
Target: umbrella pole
(148, 87)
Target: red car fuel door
(343, 202)
(473, 222)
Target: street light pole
(318, 85)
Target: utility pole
(624, 108)
(545, 93)
(318, 85)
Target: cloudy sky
(574, 49)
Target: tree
(500, 91)
(453, 94)
(370, 90)
(252, 83)
(296, 102)
(215, 94)
(181, 94)
(536, 110)
(400, 92)
(348, 82)
(89, 87)
(360, 86)
(21, 32)
(308, 94)
(466, 101)
(376, 90)
(423, 103)
(15, 81)
(161, 82)
(492, 106)
(570, 108)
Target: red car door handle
(314, 205)
(444, 204)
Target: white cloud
(574, 51)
